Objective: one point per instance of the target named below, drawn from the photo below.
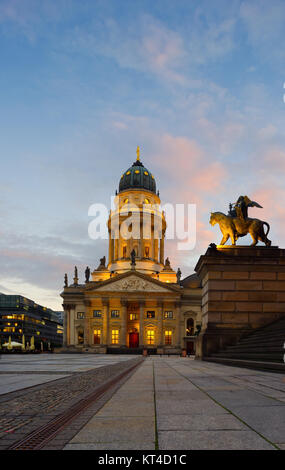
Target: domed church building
(135, 300)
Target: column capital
(68, 306)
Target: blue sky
(197, 84)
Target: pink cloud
(198, 175)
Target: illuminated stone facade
(136, 300)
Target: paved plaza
(19, 371)
(167, 403)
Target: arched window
(190, 327)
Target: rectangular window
(168, 314)
(150, 337)
(133, 316)
(97, 313)
(80, 315)
(168, 337)
(115, 336)
(150, 314)
(97, 336)
(146, 251)
(115, 313)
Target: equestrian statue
(237, 224)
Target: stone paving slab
(257, 402)
(212, 440)
(235, 398)
(127, 421)
(268, 421)
(66, 363)
(200, 422)
(186, 404)
(12, 382)
(23, 411)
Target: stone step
(257, 348)
(274, 357)
(271, 342)
(263, 339)
(249, 364)
(268, 334)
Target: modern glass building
(21, 316)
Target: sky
(197, 84)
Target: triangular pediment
(134, 282)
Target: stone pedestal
(243, 288)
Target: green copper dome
(137, 177)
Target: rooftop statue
(103, 261)
(237, 223)
(87, 274)
(133, 258)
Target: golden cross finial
(138, 153)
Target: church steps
(265, 345)
(249, 364)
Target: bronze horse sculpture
(235, 227)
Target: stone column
(178, 324)
(106, 321)
(68, 308)
(116, 248)
(111, 248)
(156, 249)
(161, 252)
(160, 338)
(72, 326)
(142, 304)
(65, 307)
(124, 322)
(87, 304)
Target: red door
(134, 340)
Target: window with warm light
(146, 201)
(133, 316)
(150, 314)
(146, 251)
(80, 315)
(115, 336)
(168, 337)
(150, 337)
(168, 314)
(97, 336)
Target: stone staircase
(261, 349)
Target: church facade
(136, 300)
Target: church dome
(137, 177)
